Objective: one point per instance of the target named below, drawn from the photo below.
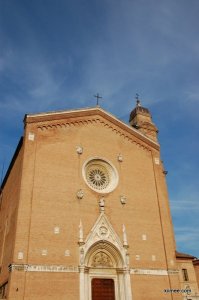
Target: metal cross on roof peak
(138, 102)
(98, 97)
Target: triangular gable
(63, 119)
(103, 231)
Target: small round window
(100, 175)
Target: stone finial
(125, 243)
(81, 234)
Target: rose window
(97, 177)
(100, 175)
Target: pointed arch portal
(104, 263)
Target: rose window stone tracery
(100, 175)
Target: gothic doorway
(103, 289)
(104, 263)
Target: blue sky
(58, 54)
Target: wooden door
(103, 289)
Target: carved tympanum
(101, 259)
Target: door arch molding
(109, 250)
(103, 260)
(103, 255)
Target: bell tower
(140, 118)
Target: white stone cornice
(157, 272)
(43, 268)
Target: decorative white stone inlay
(153, 257)
(148, 272)
(173, 272)
(43, 268)
(144, 237)
(56, 230)
(44, 252)
(157, 161)
(31, 136)
(137, 257)
(20, 255)
(40, 268)
(67, 253)
(71, 269)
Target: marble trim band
(75, 269)
(43, 268)
(157, 272)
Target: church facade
(85, 213)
